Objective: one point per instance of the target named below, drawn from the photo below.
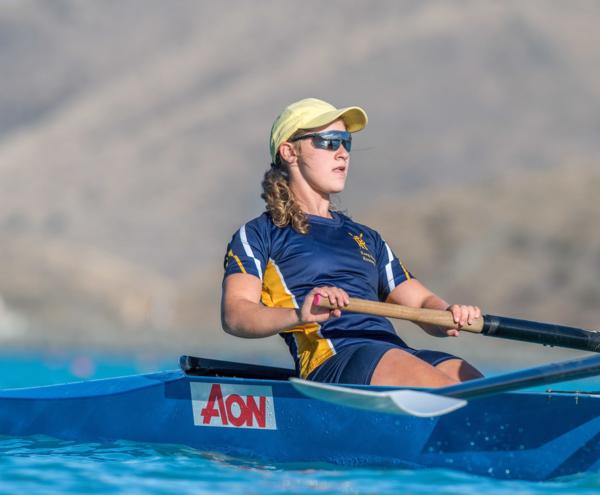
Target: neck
(311, 202)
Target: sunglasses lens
(331, 144)
(334, 144)
(325, 143)
(329, 141)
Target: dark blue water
(42, 465)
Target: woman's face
(323, 170)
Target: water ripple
(43, 465)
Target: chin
(336, 190)
(333, 187)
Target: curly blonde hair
(281, 204)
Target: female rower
(301, 246)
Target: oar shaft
(490, 325)
(417, 315)
(541, 333)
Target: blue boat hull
(513, 435)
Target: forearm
(414, 294)
(433, 301)
(253, 320)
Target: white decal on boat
(233, 406)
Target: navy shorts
(355, 363)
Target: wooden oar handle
(417, 315)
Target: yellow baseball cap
(310, 113)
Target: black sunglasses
(328, 140)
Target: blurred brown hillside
(525, 245)
(133, 137)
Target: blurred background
(134, 137)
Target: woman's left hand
(463, 315)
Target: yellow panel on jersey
(312, 349)
(275, 293)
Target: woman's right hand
(309, 313)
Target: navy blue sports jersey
(336, 252)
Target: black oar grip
(541, 333)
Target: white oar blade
(406, 402)
(424, 404)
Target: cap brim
(355, 119)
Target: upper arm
(245, 258)
(241, 286)
(409, 293)
(238, 288)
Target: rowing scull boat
(255, 413)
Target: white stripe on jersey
(388, 268)
(248, 250)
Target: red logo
(237, 406)
(246, 412)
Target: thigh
(398, 367)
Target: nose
(342, 153)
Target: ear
(287, 152)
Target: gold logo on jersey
(362, 246)
(359, 240)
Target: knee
(459, 370)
